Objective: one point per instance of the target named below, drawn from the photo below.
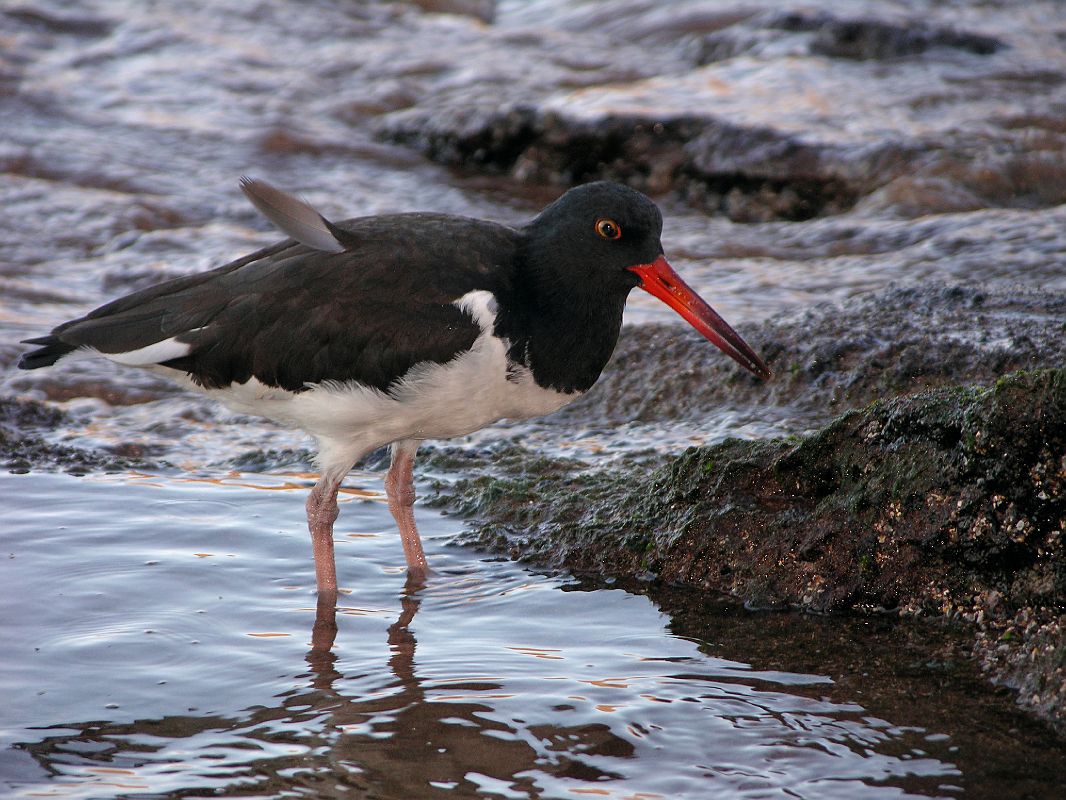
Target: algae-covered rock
(930, 503)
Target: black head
(598, 241)
(592, 235)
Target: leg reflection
(321, 658)
(403, 738)
(401, 640)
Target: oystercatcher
(398, 328)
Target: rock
(832, 357)
(23, 447)
(872, 38)
(917, 503)
(846, 108)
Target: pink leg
(400, 489)
(321, 514)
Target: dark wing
(292, 315)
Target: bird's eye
(608, 228)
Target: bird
(398, 328)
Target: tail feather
(50, 352)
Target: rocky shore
(874, 194)
(925, 475)
(924, 470)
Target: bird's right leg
(400, 489)
(322, 512)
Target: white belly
(432, 401)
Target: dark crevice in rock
(871, 38)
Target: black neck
(564, 335)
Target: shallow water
(157, 627)
(161, 644)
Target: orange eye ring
(608, 229)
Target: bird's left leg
(400, 489)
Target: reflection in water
(396, 742)
(403, 740)
(463, 733)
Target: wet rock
(746, 117)
(28, 415)
(24, 445)
(267, 460)
(917, 503)
(832, 357)
(749, 175)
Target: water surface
(162, 644)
